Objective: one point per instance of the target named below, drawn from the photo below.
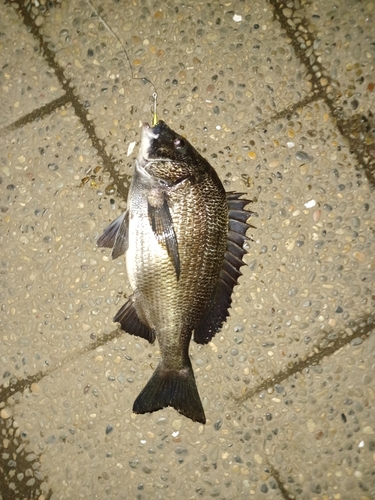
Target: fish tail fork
(170, 387)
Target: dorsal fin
(218, 307)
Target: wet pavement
(279, 97)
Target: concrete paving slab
(48, 231)
(27, 82)
(287, 384)
(312, 264)
(78, 405)
(335, 43)
(204, 80)
(320, 433)
(345, 46)
(93, 443)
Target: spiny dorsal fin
(218, 308)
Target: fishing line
(144, 79)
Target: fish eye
(179, 143)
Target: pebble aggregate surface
(279, 98)
(24, 87)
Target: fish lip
(148, 132)
(147, 136)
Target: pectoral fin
(162, 225)
(115, 236)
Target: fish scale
(183, 238)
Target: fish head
(161, 143)
(168, 157)
(164, 153)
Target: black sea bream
(183, 236)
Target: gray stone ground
(279, 97)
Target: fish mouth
(148, 136)
(149, 132)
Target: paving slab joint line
(363, 328)
(13, 449)
(20, 385)
(17, 450)
(40, 113)
(283, 490)
(286, 112)
(324, 85)
(110, 164)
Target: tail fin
(176, 388)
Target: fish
(183, 237)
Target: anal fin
(130, 322)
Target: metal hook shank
(154, 114)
